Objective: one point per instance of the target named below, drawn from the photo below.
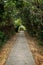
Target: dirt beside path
(4, 52)
(36, 49)
(20, 53)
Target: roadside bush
(3, 38)
(32, 33)
(40, 37)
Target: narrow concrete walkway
(20, 53)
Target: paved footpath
(20, 53)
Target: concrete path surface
(20, 53)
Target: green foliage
(30, 12)
(1, 35)
(19, 4)
(17, 23)
(3, 38)
(7, 10)
(40, 35)
(21, 27)
(33, 18)
(1, 7)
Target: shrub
(40, 37)
(3, 38)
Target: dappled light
(19, 18)
(22, 28)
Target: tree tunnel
(28, 13)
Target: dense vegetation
(29, 11)
(7, 27)
(33, 18)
